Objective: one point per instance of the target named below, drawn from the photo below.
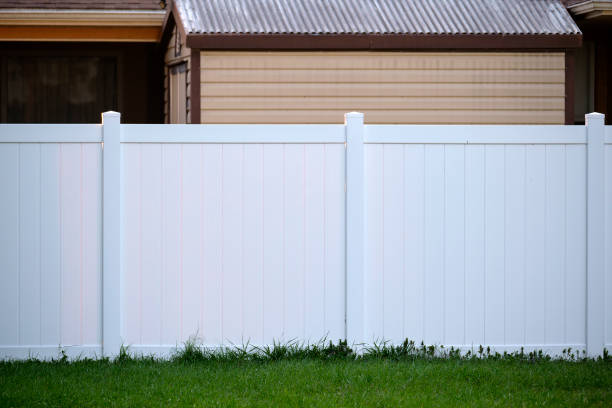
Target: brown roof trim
(171, 20)
(379, 41)
(194, 100)
(570, 94)
(79, 33)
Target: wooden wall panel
(389, 87)
(173, 57)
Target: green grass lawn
(374, 381)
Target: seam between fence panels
(61, 244)
(325, 239)
(404, 241)
(263, 245)
(40, 248)
(284, 232)
(18, 244)
(545, 236)
(304, 248)
(162, 242)
(464, 249)
(202, 246)
(242, 245)
(565, 246)
(443, 243)
(140, 242)
(181, 172)
(382, 237)
(424, 248)
(505, 319)
(484, 224)
(221, 280)
(525, 244)
(81, 242)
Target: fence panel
(236, 234)
(233, 242)
(50, 243)
(471, 244)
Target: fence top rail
(315, 134)
(476, 134)
(50, 133)
(233, 134)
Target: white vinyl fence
(145, 235)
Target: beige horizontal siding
(384, 102)
(311, 87)
(405, 76)
(385, 116)
(379, 90)
(381, 60)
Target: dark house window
(51, 89)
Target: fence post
(355, 268)
(595, 308)
(111, 234)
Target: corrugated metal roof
(375, 17)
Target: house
(416, 61)
(291, 61)
(594, 58)
(67, 61)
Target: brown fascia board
(380, 41)
(171, 20)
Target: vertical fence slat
(474, 244)
(294, 241)
(191, 242)
(454, 245)
(335, 239)
(555, 244)
(232, 243)
(515, 246)
(608, 237)
(171, 239)
(575, 246)
(50, 244)
(494, 242)
(151, 231)
(393, 259)
(273, 208)
(434, 244)
(131, 233)
(29, 244)
(535, 240)
(9, 244)
(414, 209)
(372, 287)
(92, 202)
(252, 215)
(71, 233)
(314, 283)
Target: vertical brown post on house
(603, 90)
(570, 69)
(194, 107)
